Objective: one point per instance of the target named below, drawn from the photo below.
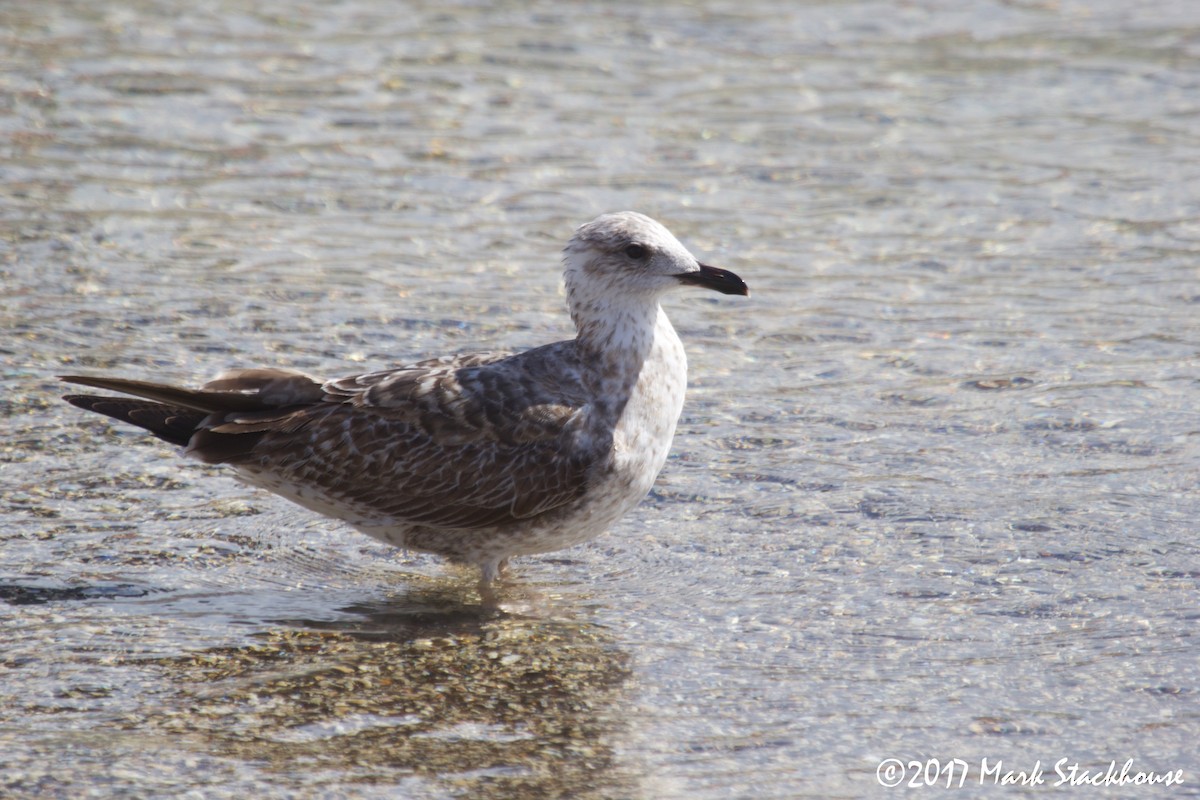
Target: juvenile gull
(476, 457)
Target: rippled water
(934, 496)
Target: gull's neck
(611, 332)
(628, 349)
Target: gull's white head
(629, 255)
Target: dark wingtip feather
(174, 425)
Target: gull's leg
(489, 571)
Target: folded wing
(464, 442)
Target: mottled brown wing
(457, 443)
(485, 396)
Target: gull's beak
(721, 280)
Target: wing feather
(464, 442)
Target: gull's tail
(166, 411)
(174, 414)
(169, 423)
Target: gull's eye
(636, 251)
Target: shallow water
(934, 496)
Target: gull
(475, 457)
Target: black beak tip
(719, 280)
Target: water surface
(934, 495)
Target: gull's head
(628, 254)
